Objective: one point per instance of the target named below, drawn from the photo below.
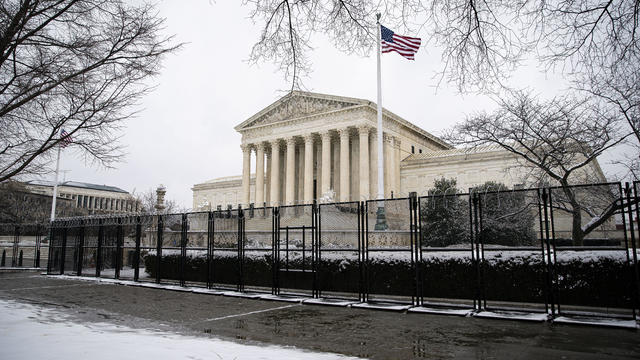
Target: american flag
(65, 138)
(403, 45)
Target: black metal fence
(510, 250)
(23, 245)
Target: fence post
(210, 247)
(418, 248)
(16, 240)
(472, 239)
(476, 232)
(240, 286)
(36, 260)
(276, 248)
(136, 254)
(119, 245)
(314, 249)
(274, 212)
(51, 251)
(80, 255)
(63, 251)
(317, 275)
(159, 248)
(361, 284)
(183, 247)
(552, 240)
(634, 264)
(413, 224)
(547, 279)
(99, 250)
(637, 200)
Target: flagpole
(381, 220)
(380, 133)
(55, 186)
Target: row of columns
(367, 169)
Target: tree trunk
(577, 234)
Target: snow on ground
(30, 332)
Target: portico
(313, 144)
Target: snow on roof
(77, 184)
(454, 152)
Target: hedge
(600, 281)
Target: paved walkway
(351, 331)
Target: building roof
(342, 103)
(77, 184)
(454, 152)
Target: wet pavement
(350, 331)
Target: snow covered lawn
(30, 332)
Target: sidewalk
(351, 331)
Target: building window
(413, 149)
(420, 151)
(84, 201)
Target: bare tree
(558, 140)
(77, 65)
(147, 201)
(620, 90)
(481, 41)
(19, 205)
(287, 27)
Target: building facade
(96, 199)
(308, 146)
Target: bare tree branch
(78, 65)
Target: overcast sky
(184, 134)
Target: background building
(306, 145)
(96, 199)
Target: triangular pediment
(299, 104)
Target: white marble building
(306, 144)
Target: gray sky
(184, 134)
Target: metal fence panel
(148, 248)
(512, 262)
(127, 260)
(296, 273)
(340, 269)
(258, 256)
(194, 266)
(7, 241)
(227, 259)
(593, 271)
(448, 267)
(390, 259)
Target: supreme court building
(306, 145)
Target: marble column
(275, 173)
(396, 169)
(259, 174)
(290, 186)
(308, 169)
(363, 132)
(388, 168)
(326, 162)
(392, 167)
(344, 165)
(267, 180)
(246, 174)
(373, 165)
